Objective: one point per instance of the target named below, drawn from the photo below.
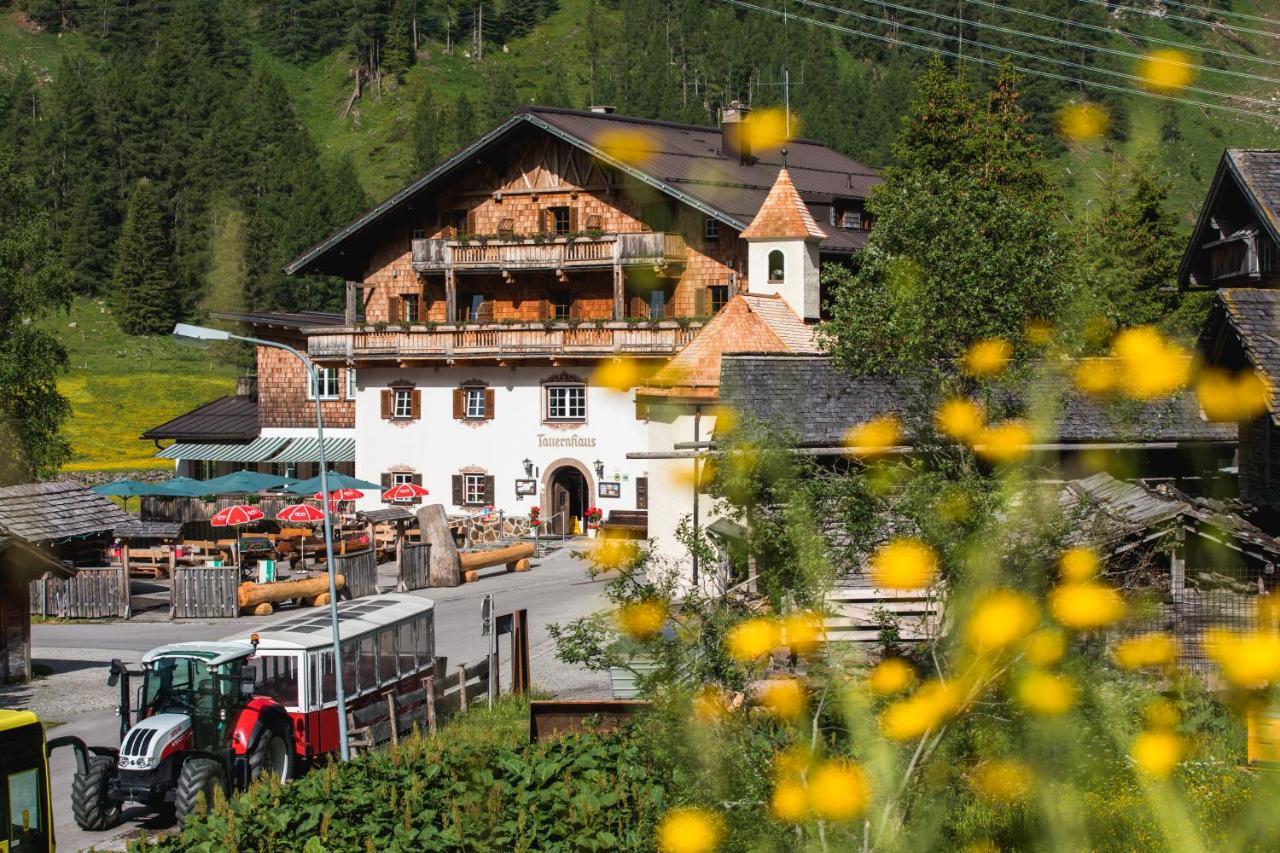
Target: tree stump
(445, 569)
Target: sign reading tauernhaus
(545, 440)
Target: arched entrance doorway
(567, 498)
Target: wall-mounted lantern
(528, 467)
(599, 469)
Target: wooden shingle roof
(1249, 319)
(783, 214)
(45, 512)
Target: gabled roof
(230, 418)
(684, 161)
(747, 322)
(1247, 320)
(807, 397)
(22, 561)
(783, 214)
(46, 512)
(1257, 174)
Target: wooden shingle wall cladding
(282, 394)
(15, 631)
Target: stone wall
(479, 530)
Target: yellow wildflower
(1039, 333)
(1227, 398)
(1086, 605)
(1046, 694)
(620, 374)
(932, 704)
(1160, 714)
(874, 437)
(632, 146)
(767, 129)
(642, 620)
(792, 761)
(960, 419)
(1249, 660)
(904, 564)
(890, 676)
(838, 791)
(803, 632)
(1145, 650)
(710, 704)
(1000, 618)
(1046, 647)
(1166, 70)
(1004, 442)
(1002, 781)
(1151, 366)
(1078, 564)
(689, 830)
(1083, 121)
(611, 553)
(785, 698)
(790, 801)
(752, 638)
(1097, 375)
(1157, 752)
(726, 420)
(988, 357)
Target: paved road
(556, 590)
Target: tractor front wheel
(91, 803)
(272, 755)
(199, 779)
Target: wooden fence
(443, 694)
(96, 593)
(360, 569)
(860, 612)
(201, 592)
(415, 565)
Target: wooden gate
(98, 593)
(360, 571)
(201, 592)
(415, 564)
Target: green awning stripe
(308, 450)
(259, 450)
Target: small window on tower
(710, 230)
(777, 267)
(419, 234)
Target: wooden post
(349, 311)
(520, 652)
(391, 714)
(450, 295)
(619, 292)
(462, 685)
(429, 691)
(1178, 561)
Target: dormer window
(777, 267)
(851, 220)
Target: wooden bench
(149, 562)
(626, 524)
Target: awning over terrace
(308, 450)
(261, 449)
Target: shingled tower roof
(783, 214)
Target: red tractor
(198, 728)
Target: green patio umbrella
(239, 483)
(136, 488)
(336, 481)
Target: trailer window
(326, 685)
(387, 654)
(406, 648)
(424, 643)
(278, 677)
(368, 664)
(351, 668)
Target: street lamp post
(202, 334)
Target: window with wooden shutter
(393, 309)
(386, 480)
(639, 307)
(488, 404)
(416, 405)
(704, 303)
(416, 479)
(457, 490)
(573, 219)
(459, 404)
(388, 404)
(471, 222)
(642, 492)
(488, 490)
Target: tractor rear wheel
(199, 779)
(91, 804)
(272, 755)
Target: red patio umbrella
(403, 492)
(301, 514)
(234, 516)
(339, 495)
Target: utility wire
(1209, 10)
(1171, 17)
(1035, 56)
(992, 63)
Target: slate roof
(44, 512)
(682, 160)
(230, 418)
(808, 398)
(783, 214)
(1247, 318)
(136, 529)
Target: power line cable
(1168, 16)
(1209, 10)
(993, 64)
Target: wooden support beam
(429, 691)
(349, 312)
(391, 715)
(450, 295)
(619, 296)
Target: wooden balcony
(648, 249)
(514, 342)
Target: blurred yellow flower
(1157, 752)
(838, 791)
(726, 420)
(1097, 375)
(1249, 660)
(790, 801)
(904, 564)
(988, 357)
(803, 632)
(710, 704)
(892, 675)
(873, 437)
(1046, 647)
(766, 128)
(1002, 781)
(620, 374)
(609, 554)
(1151, 367)
(689, 830)
(632, 146)
(960, 419)
(1082, 122)
(752, 638)
(1039, 333)
(1086, 605)
(1227, 398)
(984, 845)
(785, 698)
(1004, 442)
(1045, 693)
(1078, 564)
(1000, 618)
(1146, 650)
(1160, 714)
(792, 761)
(642, 620)
(933, 703)
(1166, 70)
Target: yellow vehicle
(26, 821)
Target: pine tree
(142, 284)
(426, 130)
(397, 51)
(500, 98)
(464, 122)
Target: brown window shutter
(704, 302)
(416, 479)
(642, 411)
(386, 480)
(642, 492)
(459, 408)
(639, 307)
(488, 490)
(471, 222)
(457, 490)
(388, 403)
(395, 309)
(488, 404)
(573, 218)
(415, 404)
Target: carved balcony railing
(657, 249)
(502, 342)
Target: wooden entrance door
(560, 507)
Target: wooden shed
(20, 563)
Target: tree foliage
(142, 283)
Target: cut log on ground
(250, 595)
(508, 556)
